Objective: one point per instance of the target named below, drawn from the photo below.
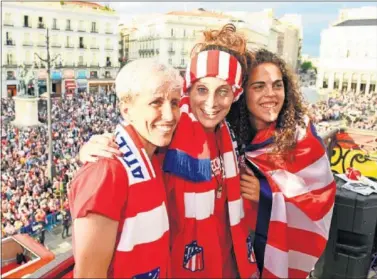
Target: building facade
(82, 36)
(348, 53)
(170, 37)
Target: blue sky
(316, 16)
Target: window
(94, 43)
(27, 39)
(41, 40)
(172, 32)
(170, 61)
(68, 27)
(184, 32)
(81, 60)
(8, 20)
(108, 61)
(81, 42)
(26, 21)
(40, 22)
(28, 57)
(54, 26)
(182, 61)
(68, 41)
(94, 27)
(81, 25)
(108, 28)
(9, 58)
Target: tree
(307, 65)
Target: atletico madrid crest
(250, 250)
(193, 258)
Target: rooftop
(359, 22)
(199, 13)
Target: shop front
(11, 83)
(56, 80)
(42, 81)
(69, 82)
(81, 80)
(101, 86)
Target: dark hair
(291, 115)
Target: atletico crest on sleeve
(193, 258)
(250, 250)
(152, 274)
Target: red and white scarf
(188, 165)
(303, 194)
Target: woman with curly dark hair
(293, 188)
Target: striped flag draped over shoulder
(301, 199)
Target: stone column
(340, 82)
(331, 80)
(320, 77)
(350, 74)
(358, 83)
(367, 86)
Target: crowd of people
(27, 194)
(354, 110)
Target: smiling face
(265, 94)
(154, 113)
(210, 101)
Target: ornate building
(348, 53)
(84, 34)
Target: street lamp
(48, 61)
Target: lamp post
(48, 61)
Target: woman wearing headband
(209, 235)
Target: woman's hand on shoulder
(99, 146)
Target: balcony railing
(56, 45)
(81, 64)
(109, 48)
(81, 30)
(94, 31)
(171, 51)
(108, 64)
(27, 44)
(10, 64)
(82, 46)
(68, 28)
(94, 47)
(8, 23)
(109, 32)
(27, 25)
(10, 43)
(55, 28)
(41, 25)
(94, 65)
(41, 45)
(184, 52)
(69, 46)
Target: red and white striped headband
(215, 63)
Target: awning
(42, 82)
(70, 84)
(101, 82)
(82, 83)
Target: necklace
(220, 182)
